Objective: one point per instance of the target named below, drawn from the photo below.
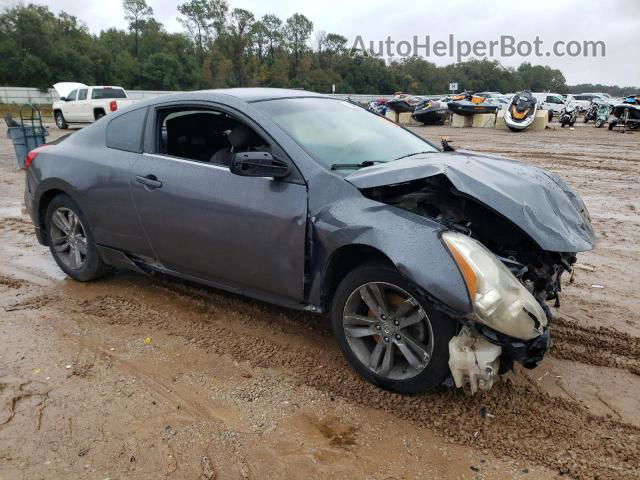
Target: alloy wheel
(69, 238)
(388, 331)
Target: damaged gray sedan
(432, 264)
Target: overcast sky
(616, 22)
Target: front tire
(71, 242)
(389, 333)
(61, 123)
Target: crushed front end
(511, 253)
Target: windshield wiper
(411, 155)
(355, 166)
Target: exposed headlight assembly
(499, 300)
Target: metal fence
(20, 95)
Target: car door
(69, 107)
(82, 106)
(105, 194)
(246, 234)
(556, 104)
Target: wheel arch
(44, 199)
(98, 110)
(342, 261)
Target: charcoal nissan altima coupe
(431, 264)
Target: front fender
(411, 242)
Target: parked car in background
(430, 263)
(550, 101)
(600, 97)
(80, 103)
(584, 100)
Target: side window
(72, 96)
(205, 135)
(125, 131)
(82, 94)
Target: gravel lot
(144, 378)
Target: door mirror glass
(258, 164)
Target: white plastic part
(474, 361)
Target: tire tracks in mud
(16, 224)
(601, 346)
(11, 282)
(526, 423)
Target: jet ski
(521, 111)
(468, 104)
(403, 103)
(379, 106)
(431, 112)
(627, 113)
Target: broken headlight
(499, 300)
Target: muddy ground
(145, 378)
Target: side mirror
(258, 164)
(63, 99)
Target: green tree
(136, 12)
(238, 38)
(297, 32)
(273, 31)
(203, 19)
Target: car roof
(258, 94)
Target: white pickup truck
(80, 103)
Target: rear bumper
(29, 202)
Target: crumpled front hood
(537, 201)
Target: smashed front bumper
(527, 352)
(478, 354)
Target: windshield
(337, 132)
(102, 93)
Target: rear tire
(71, 241)
(61, 123)
(405, 351)
(99, 115)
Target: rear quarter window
(125, 131)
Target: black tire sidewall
(63, 124)
(93, 266)
(443, 327)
